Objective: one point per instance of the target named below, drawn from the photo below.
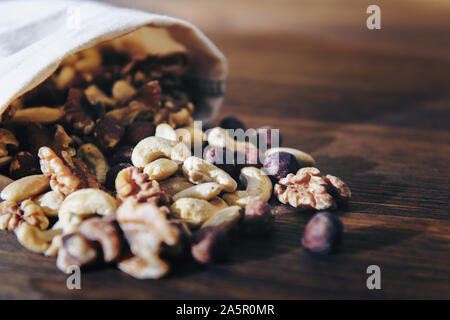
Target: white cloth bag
(35, 36)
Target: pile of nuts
(98, 169)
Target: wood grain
(378, 119)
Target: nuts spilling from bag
(98, 167)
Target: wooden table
(378, 119)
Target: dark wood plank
(377, 117)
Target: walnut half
(66, 174)
(306, 189)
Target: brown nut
(23, 164)
(108, 132)
(258, 218)
(95, 161)
(150, 95)
(209, 245)
(75, 114)
(138, 131)
(338, 189)
(127, 115)
(6, 139)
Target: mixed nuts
(99, 167)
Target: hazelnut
(232, 123)
(110, 182)
(258, 218)
(23, 164)
(323, 233)
(279, 164)
(108, 132)
(209, 245)
(138, 131)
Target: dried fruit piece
(323, 233)
(306, 189)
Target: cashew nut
(219, 203)
(258, 184)
(65, 76)
(152, 148)
(50, 202)
(165, 131)
(90, 60)
(85, 202)
(218, 137)
(193, 211)
(198, 171)
(4, 181)
(95, 95)
(191, 136)
(95, 160)
(6, 138)
(226, 218)
(304, 159)
(175, 184)
(82, 204)
(160, 169)
(34, 239)
(38, 115)
(122, 91)
(205, 191)
(26, 187)
(180, 118)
